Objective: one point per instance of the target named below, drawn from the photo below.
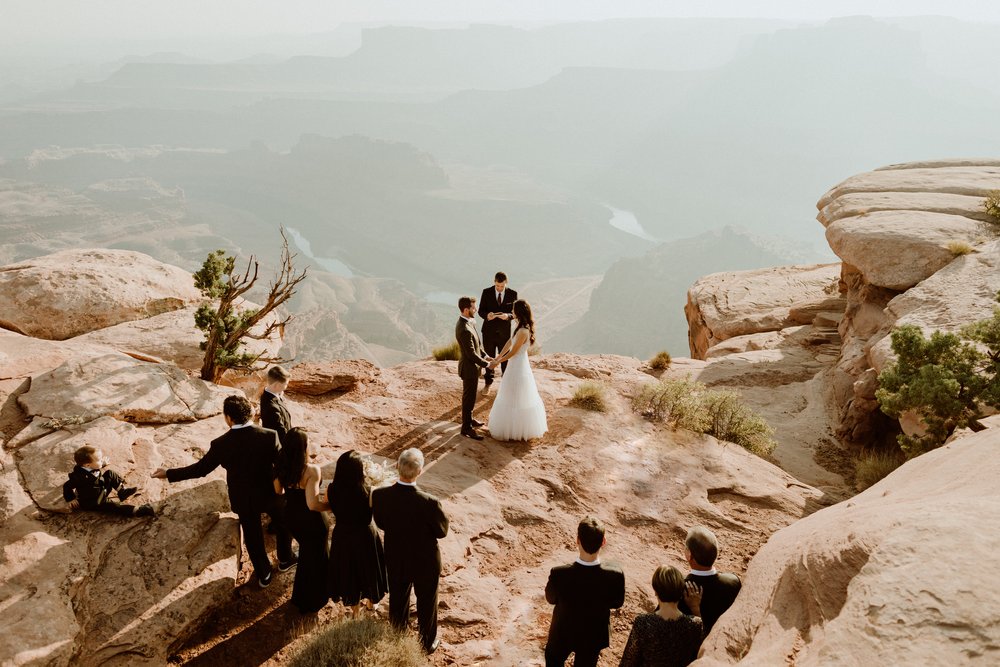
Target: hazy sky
(33, 21)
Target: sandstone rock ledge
(891, 577)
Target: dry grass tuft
(874, 466)
(661, 361)
(590, 396)
(446, 352)
(959, 248)
(364, 642)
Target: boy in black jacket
(89, 488)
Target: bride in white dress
(518, 412)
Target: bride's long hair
(522, 311)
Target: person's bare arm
(311, 481)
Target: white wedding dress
(518, 412)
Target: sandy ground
(514, 508)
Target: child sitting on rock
(89, 488)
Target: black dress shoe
(264, 582)
(126, 493)
(434, 646)
(477, 424)
(472, 434)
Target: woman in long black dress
(357, 562)
(300, 483)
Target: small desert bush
(446, 352)
(959, 248)
(364, 642)
(690, 405)
(873, 466)
(676, 402)
(731, 420)
(590, 396)
(992, 205)
(661, 361)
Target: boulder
(887, 578)
(339, 375)
(972, 178)
(116, 385)
(71, 292)
(898, 249)
(724, 305)
(23, 356)
(90, 588)
(173, 337)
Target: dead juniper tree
(226, 325)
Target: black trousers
(492, 344)
(112, 507)
(425, 586)
(470, 386)
(253, 537)
(556, 656)
(110, 480)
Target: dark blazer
(472, 357)
(584, 596)
(248, 454)
(499, 329)
(718, 592)
(413, 522)
(83, 485)
(274, 415)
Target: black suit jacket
(248, 455)
(584, 596)
(470, 348)
(274, 415)
(718, 592)
(497, 329)
(413, 522)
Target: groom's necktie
(499, 297)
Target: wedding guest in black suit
(471, 360)
(248, 453)
(584, 593)
(667, 637)
(718, 589)
(413, 522)
(357, 560)
(496, 307)
(298, 481)
(273, 413)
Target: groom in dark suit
(413, 522)
(248, 453)
(472, 359)
(496, 307)
(584, 594)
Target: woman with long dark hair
(357, 561)
(299, 481)
(518, 412)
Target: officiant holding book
(496, 307)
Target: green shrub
(364, 642)
(944, 379)
(873, 466)
(676, 402)
(959, 248)
(661, 361)
(731, 420)
(992, 205)
(686, 404)
(446, 352)
(590, 396)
